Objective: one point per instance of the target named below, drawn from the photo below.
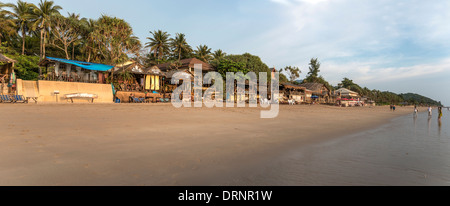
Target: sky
(390, 45)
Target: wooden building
(293, 92)
(319, 93)
(74, 71)
(6, 69)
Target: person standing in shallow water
(440, 112)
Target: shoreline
(146, 145)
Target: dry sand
(157, 144)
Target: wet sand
(157, 144)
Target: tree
(226, 65)
(44, 11)
(203, 53)
(7, 25)
(115, 40)
(349, 84)
(64, 32)
(294, 72)
(77, 25)
(87, 38)
(252, 63)
(22, 13)
(314, 69)
(159, 43)
(219, 54)
(179, 45)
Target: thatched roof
(154, 70)
(345, 90)
(4, 59)
(292, 86)
(312, 86)
(187, 63)
(183, 72)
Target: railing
(66, 78)
(127, 87)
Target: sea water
(409, 150)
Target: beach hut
(293, 92)
(346, 93)
(319, 92)
(74, 71)
(130, 76)
(6, 71)
(185, 64)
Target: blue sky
(394, 45)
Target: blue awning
(84, 65)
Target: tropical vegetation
(29, 33)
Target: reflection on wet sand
(398, 153)
(429, 124)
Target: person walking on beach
(430, 111)
(393, 107)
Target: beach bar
(6, 72)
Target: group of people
(392, 107)
(430, 111)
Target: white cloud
(370, 72)
(369, 41)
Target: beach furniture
(20, 99)
(138, 100)
(90, 97)
(164, 100)
(6, 99)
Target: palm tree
(219, 54)
(44, 11)
(314, 68)
(77, 25)
(88, 41)
(180, 45)
(203, 53)
(7, 25)
(159, 43)
(22, 12)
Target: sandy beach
(157, 144)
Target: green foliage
(294, 72)
(252, 63)
(226, 65)
(284, 79)
(417, 99)
(386, 98)
(314, 69)
(26, 67)
(349, 84)
(203, 53)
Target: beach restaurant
(74, 71)
(318, 93)
(138, 82)
(293, 92)
(6, 74)
(346, 98)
